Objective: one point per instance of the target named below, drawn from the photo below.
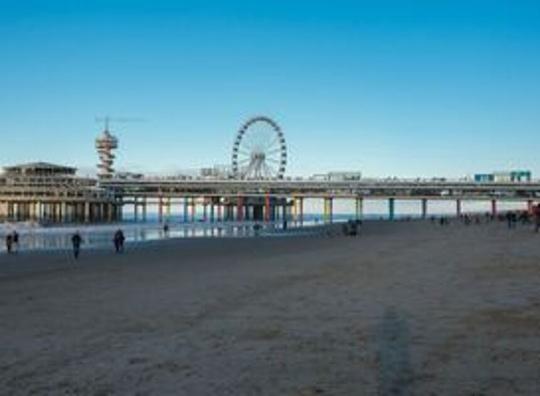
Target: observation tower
(105, 144)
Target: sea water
(34, 236)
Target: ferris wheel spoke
(269, 170)
(275, 151)
(246, 146)
(244, 153)
(273, 143)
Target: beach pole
(458, 207)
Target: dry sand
(405, 309)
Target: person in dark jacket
(76, 241)
(9, 243)
(118, 240)
(15, 238)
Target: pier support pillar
(458, 207)
(301, 210)
(359, 208)
(31, 210)
(298, 209)
(205, 209)
(267, 207)
(160, 210)
(63, 212)
(240, 208)
(3, 210)
(144, 210)
(424, 208)
(494, 207)
(219, 210)
(110, 212)
(328, 209)
(530, 206)
(87, 212)
(136, 210)
(212, 211)
(185, 210)
(193, 208)
(391, 208)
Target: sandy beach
(406, 308)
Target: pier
(256, 189)
(275, 199)
(51, 193)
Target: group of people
(118, 241)
(512, 218)
(12, 242)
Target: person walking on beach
(536, 214)
(15, 238)
(509, 219)
(166, 230)
(9, 243)
(76, 241)
(118, 240)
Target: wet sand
(404, 309)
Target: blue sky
(406, 88)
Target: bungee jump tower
(106, 143)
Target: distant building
(338, 176)
(516, 176)
(39, 169)
(43, 191)
(216, 172)
(483, 178)
(129, 176)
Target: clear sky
(406, 88)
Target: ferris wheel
(259, 150)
